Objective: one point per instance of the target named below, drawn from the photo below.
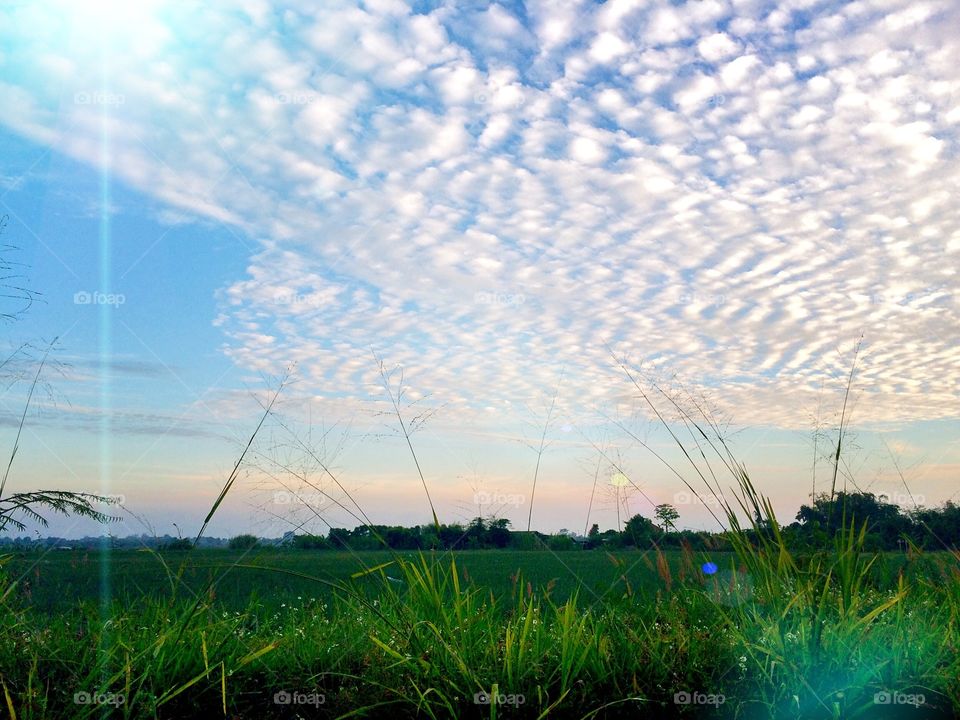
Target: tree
(178, 545)
(339, 538)
(561, 541)
(451, 535)
(887, 525)
(593, 537)
(243, 542)
(62, 502)
(310, 542)
(639, 531)
(667, 515)
(475, 533)
(498, 533)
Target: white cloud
(717, 47)
(587, 150)
(489, 217)
(666, 25)
(608, 46)
(737, 71)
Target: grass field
(593, 635)
(54, 581)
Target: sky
(501, 203)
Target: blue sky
(492, 197)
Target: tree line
(889, 527)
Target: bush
(243, 542)
(180, 544)
(310, 542)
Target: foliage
(28, 506)
(178, 545)
(814, 638)
(243, 542)
(667, 515)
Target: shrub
(180, 544)
(243, 542)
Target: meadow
(55, 581)
(584, 634)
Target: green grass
(807, 639)
(54, 581)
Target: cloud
(732, 196)
(717, 47)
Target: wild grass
(809, 640)
(839, 633)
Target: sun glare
(110, 22)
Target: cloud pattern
(494, 196)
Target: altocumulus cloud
(489, 195)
